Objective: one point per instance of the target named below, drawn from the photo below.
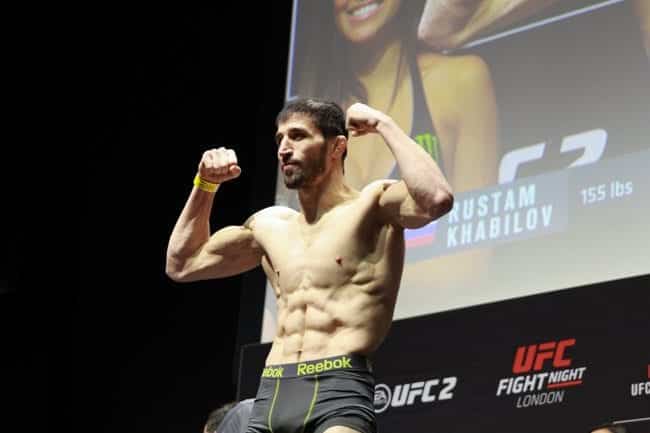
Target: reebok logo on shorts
(273, 372)
(325, 365)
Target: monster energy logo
(429, 143)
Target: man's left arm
(423, 194)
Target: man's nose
(284, 151)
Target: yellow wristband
(205, 185)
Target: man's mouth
(288, 164)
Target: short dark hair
(327, 116)
(216, 417)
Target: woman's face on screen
(360, 20)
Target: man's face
(302, 151)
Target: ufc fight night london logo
(541, 373)
(641, 389)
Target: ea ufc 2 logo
(408, 394)
(535, 356)
(591, 143)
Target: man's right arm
(192, 254)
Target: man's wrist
(385, 123)
(204, 185)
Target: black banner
(565, 362)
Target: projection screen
(540, 120)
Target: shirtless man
(335, 266)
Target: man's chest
(325, 254)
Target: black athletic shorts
(310, 397)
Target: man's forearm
(423, 178)
(192, 229)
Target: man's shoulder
(272, 214)
(375, 188)
(277, 212)
(244, 406)
(247, 404)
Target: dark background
(95, 337)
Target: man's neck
(317, 199)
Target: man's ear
(340, 145)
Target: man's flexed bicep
(194, 254)
(229, 251)
(424, 193)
